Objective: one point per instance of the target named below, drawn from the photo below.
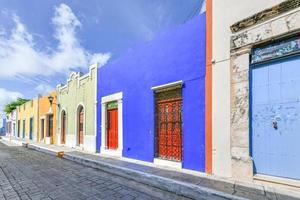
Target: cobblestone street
(27, 174)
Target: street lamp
(50, 98)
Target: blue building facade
(173, 61)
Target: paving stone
(27, 174)
(128, 197)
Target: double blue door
(275, 113)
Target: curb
(59, 154)
(180, 188)
(193, 191)
(4, 138)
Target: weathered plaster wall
(242, 43)
(79, 90)
(226, 13)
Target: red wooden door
(50, 128)
(169, 130)
(81, 124)
(112, 129)
(63, 128)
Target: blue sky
(41, 42)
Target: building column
(242, 165)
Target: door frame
(77, 124)
(156, 160)
(104, 101)
(43, 135)
(48, 128)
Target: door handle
(275, 125)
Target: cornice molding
(265, 15)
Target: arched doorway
(80, 125)
(63, 127)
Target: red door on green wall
(112, 129)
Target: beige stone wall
(225, 14)
(241, 44)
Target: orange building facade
(47, 118)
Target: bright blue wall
(178, 54)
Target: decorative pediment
(73, 76)
(78, 79)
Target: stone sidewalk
(194, 186)
(27, 174)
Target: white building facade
(11, 123)
(255, 90)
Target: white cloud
(19, 55)
(6, 97)
(203, 7)
(99, 58)
(44, 89)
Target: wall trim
(277, 180)
(168, 85)
(113, 97)
(167, 163)
(208, 90)
(272, 29)
(265, 15)
(76, 124)
(78, 77)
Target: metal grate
(169, 125)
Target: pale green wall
(78, 90)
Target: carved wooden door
(169, 130)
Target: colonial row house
(151, 101)
(11, 124)
(27, 120)
(77, 111)
(218, 94)
(36, 119)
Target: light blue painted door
(275, 95)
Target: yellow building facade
(47, 118)
(27, 120)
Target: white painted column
(103, 126)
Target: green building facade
(76, 111)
